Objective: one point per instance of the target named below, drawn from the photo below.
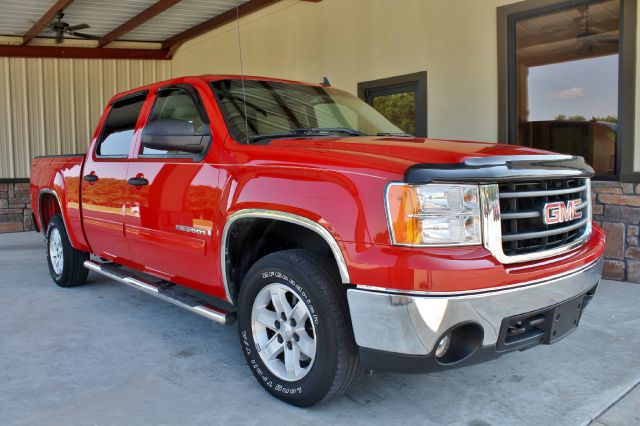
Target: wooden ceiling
(163, 24)
(569, 34)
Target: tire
(66, 264)
(298, 276)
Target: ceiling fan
(61, 28)
(590, 40)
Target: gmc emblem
(559, 212)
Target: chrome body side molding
(188, 303)
(285, 217)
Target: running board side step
(164, 292)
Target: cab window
(176, 104)
(118, 129)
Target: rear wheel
(66, 264)
(295, 329)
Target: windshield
(276, 109)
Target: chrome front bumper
(412, 324)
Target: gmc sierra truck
(338, 242)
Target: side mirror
(174, 135)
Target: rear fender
(53, 200)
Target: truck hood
(383, 156)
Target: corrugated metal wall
(51, 106)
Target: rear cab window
(117, 132)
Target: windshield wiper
(343, 130)
(394, 134)
(312, 131)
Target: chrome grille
(521, 211)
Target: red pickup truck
(340, 243)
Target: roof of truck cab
(206, 78)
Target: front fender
(349, 205)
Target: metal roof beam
(80, 52)
(217, 21)
(45, 20)
(230, 15)
(136, 21)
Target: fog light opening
(443, 346)
(459, 343)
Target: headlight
(433, 214)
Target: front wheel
(66, 264)
(295, 329)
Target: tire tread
(322, 272)
(75, 274)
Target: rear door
(104, 184)
(171, 208)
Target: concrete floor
(106, 354)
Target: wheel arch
(279, 218)
(49, 205)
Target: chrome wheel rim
(55, 251)
(283, 332)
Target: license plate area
(545, 326)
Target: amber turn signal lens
(404, 206)
(436, 214)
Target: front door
(104, 184)
(172, 203)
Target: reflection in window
(117, 133)
(174, 104)
(567, 82)
(401, 99)
(277, 108)
(399, 108)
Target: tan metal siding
(51, 106)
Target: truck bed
(59, 176)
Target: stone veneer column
(15, 206)
(616, 207)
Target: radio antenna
(244, 94)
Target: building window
(402, 100)
(561, 76)
(567, 82)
